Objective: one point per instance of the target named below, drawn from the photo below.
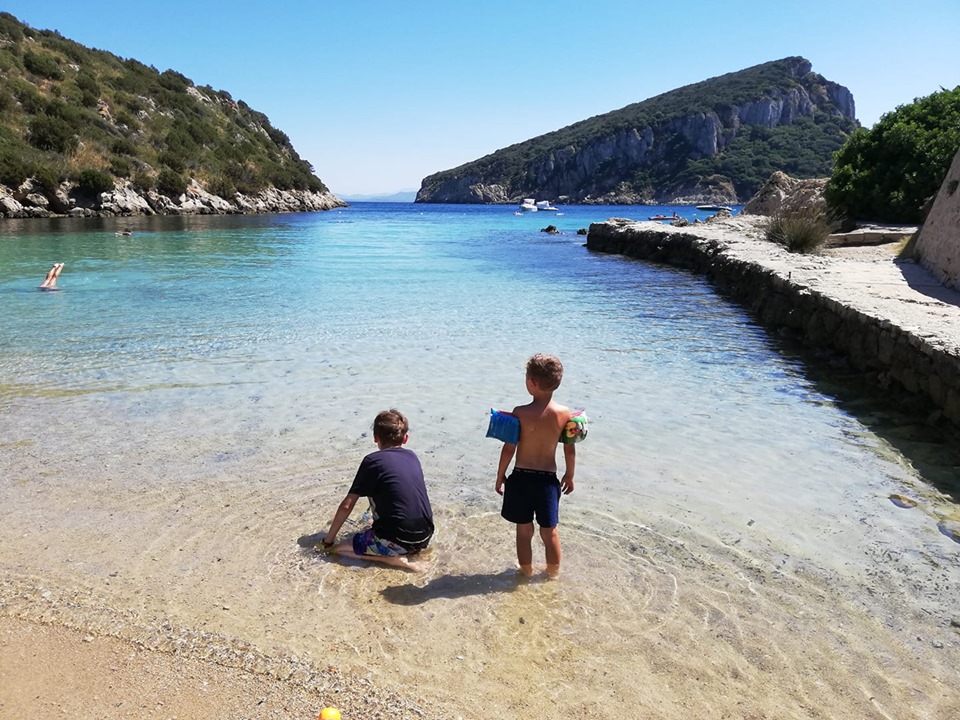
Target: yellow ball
(329, 713)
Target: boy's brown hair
(390, 427)
(546, 371)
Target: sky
(378, 94)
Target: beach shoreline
(156, 529)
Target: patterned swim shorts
(366, 543)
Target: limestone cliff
(715, 141)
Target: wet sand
(93, 626)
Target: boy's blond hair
(546, 371)
(390, 427)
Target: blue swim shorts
(531, 493)
(367, 543)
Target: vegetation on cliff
(888, 173)
(68, 112)
(725, 135)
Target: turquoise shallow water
(238, 362)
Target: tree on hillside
(889, 172)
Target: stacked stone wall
(894, 355)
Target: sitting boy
(393, 480)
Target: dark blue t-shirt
(393, 480)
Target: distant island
(404, 196)
(715, 141)
(84, 132)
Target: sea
(197, 394)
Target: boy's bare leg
(551, 545)
(345, 549)
(525, 548)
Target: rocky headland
(712, 142)
(31, 200)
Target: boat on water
(715, 207)
(665, 217)
(531, 205)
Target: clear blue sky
(379, 94)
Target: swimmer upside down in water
(50, 281)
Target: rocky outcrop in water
(30, 200)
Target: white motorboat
(545, 206)
(528, 205)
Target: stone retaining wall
(904, 357)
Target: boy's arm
(343, 512)
(506, 455)
(570, 463)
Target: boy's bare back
(541, 424)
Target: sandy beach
(210, 610)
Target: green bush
(94, 182)
(120, 167)
(171, 183)
(13, 169)
(143, 181)
(45, 66)
(800, 231)
(46, 177)
(51, 133)
(221, 186)
(10, 27)
(124, 146)
(174, 161)
(888, 173)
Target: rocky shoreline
(889, 318)
(30, 200)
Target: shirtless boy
(532, 489)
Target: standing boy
(532, 489)
(393, 480)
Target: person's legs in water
(525, 548)
(50, 281)
(551, 544)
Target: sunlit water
(200, 393)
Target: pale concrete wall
(939, 243)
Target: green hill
(716, 140)
(88, 121)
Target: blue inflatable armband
(504, 426)
(576, 428)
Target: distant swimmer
(50, 281)
(126, 232)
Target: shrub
(120, 167)
(171, 183)
(89, 99)
(43, 65)
(221, 186)
(172, 160)
(47, 178)
(887, 173)
(10, 27)
(800, 231)
(124, 146)
(13, 169)
(125, 118)
(51, 133)
(94, 182)
(143, 181)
